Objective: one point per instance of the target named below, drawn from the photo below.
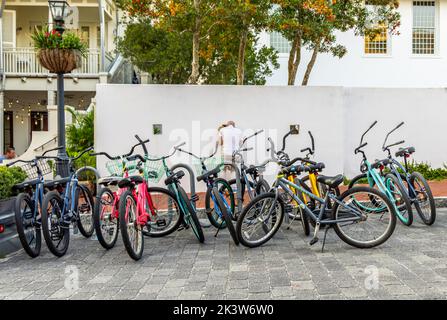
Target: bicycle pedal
(161, 223)
(313, 241)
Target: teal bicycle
(373, 174)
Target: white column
(52, 112)
(2, 113)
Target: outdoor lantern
(59, 11)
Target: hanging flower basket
(60, 60)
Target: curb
(441, 202)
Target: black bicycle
(219, 197)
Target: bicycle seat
(174, 177)
(25, 184)
(109, 181)
(57, 182)
(208, 174)
(316, 167)
(130, 181)
(332, 182)
(405, 151)
(379, 163)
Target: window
(278, 42)
(85, 35)
(424, 27)
(377, 43)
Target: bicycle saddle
(25, 184)
(174, 177)
(316, 167)
(130, 181)
(379, 163)
(109, 181)
(405, 151)
(332, 182)
(208, 174)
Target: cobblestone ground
(411, 265)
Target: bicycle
(414, 184)
(251, 179)
(373, 174)
(266, 211)
(73, 204)
(132, 214)
(219, 197)
(28, 204)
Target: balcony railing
(24, 61)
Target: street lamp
(59, 11)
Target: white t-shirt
(231, 137)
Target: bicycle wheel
(260, 220)
(226, 215)
(27, 228)
(362, 181)
(55, 233)
(262, 186)
(166, 217)
(105, 219)
(84, 210)
(372, 229)
(131, 230)
(425, 204)
(303, 216)
(400, 198)
(191, 218)
(225, 190)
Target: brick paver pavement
(412, 264)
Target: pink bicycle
(160, 213)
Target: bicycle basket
(31, 170)
(116, 167)
(210, 164)
(154, 169)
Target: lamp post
(59, 10)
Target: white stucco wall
(336, 116)
(400, 68)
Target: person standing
(9, 155)
(230, 139)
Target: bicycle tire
(97, 220)
(226, 215)
(32, 251)
(208, 199)
(86, 232)
(391, 179)
(193, 220)
(432, 217)
(137, 252)
(54, 198)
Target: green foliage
(80, 136)
(8, 178)
(166, 55)
(427, 171)
(55, 40)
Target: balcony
(23, 62)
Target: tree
(314, 23)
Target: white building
(28, 91)
(415, 58)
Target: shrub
(8, 178)
(427, 171)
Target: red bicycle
(160, 213)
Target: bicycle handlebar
(388, 134)
(54, 149)
(251, 136)
(360, 147)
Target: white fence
(24, 61)
(336, 116)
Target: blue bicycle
(373, 175)
(71, 203)
(29, 201)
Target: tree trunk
(195, 64)
(241, 57)
(294, 59)
(311, 63)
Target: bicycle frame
(394, 167)
(286, 184)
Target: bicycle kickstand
(294, 218)
(324, 239)
(218, 229)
